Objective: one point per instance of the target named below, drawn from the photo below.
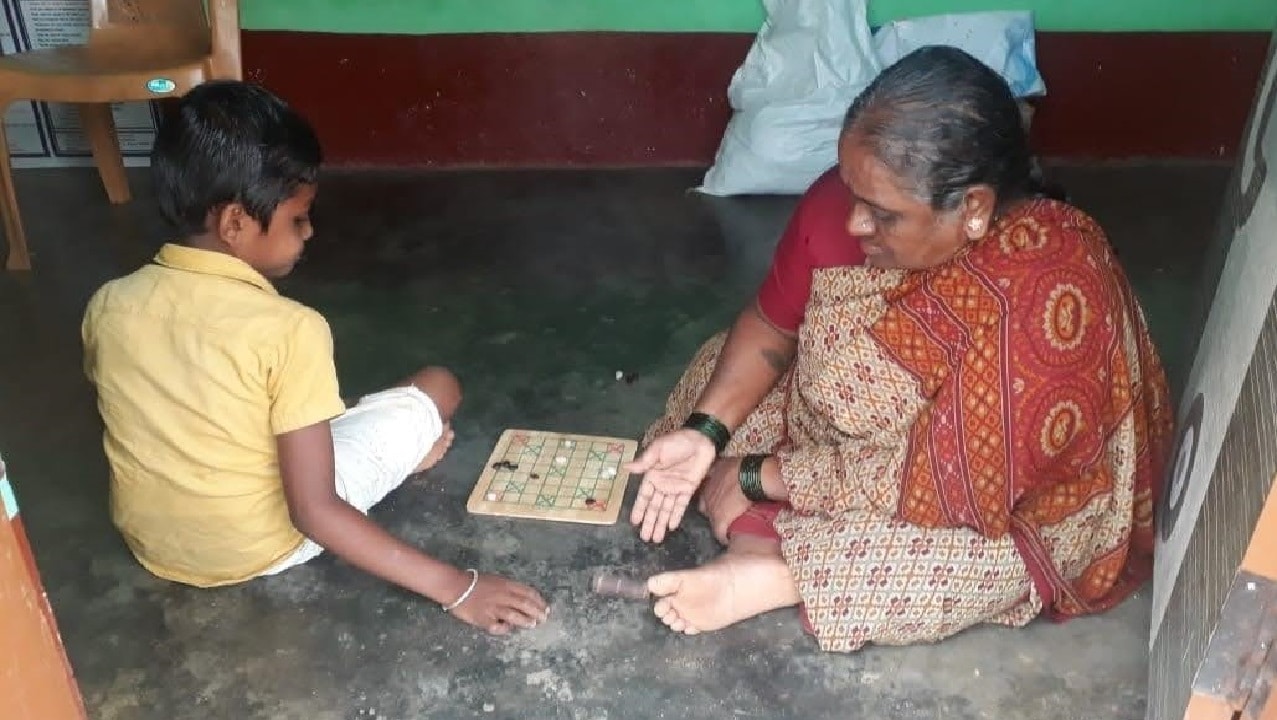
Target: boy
(232, 454)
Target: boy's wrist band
(474, 581)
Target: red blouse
(816, 238)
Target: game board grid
(586, 462)
(560, 491)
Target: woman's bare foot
(736, 586)
(438, 450)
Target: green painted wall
(468, 16)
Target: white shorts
(376, 445)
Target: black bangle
(711, 428)
(751, 477)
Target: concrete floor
(535, 287)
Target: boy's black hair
(230, 141)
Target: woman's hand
(673, 466)
(722, 500)
(498, 606)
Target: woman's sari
(979, 442)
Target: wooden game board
(554, 476)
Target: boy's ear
(233, 224)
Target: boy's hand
(499, 605)
(306, 466)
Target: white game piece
(610, 472)
(560, 460)
(620, 374)
(568, 443)
(492, 496)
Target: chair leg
(19, 256)
(99, 126)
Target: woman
(944, 407)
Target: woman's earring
(975, 228)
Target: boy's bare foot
(438, 450)
(734, 587)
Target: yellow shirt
(199, 363)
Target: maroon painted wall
(616, 99)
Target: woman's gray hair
(944, 122)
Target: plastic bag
(1002, 40)
(809, 61)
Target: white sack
(809, 62)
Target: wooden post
(36, 681)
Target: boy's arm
(306, 466)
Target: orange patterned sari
(980, 442)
